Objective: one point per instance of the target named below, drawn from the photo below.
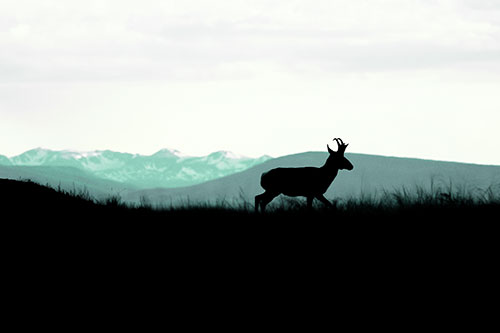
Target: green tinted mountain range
(165, 168)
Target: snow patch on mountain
(154, 167)
(81, 154)
(104, 160)
(187, 173)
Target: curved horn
(341, 145)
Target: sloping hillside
(25, 200)
(65, 178)
(371, 176)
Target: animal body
(310, 182)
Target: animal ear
(329, 150)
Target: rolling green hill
(372, 176)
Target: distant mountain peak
(37, 150)
(34, 156)
(4, 160)
(168, 152)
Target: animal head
(337, 159)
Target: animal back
(295, 181)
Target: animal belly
(294, 193)
(300, 189)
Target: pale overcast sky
(408, 78)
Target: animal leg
(309, 202)
(266, 198)
(324, 200)
(258, 199)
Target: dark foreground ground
(417, 221)
(399, 222)
(427, 253)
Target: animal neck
(329, 172)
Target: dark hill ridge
(26, 198)
(66, 178)
(370, 177)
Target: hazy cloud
(170, 40)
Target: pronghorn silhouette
(309, 182)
